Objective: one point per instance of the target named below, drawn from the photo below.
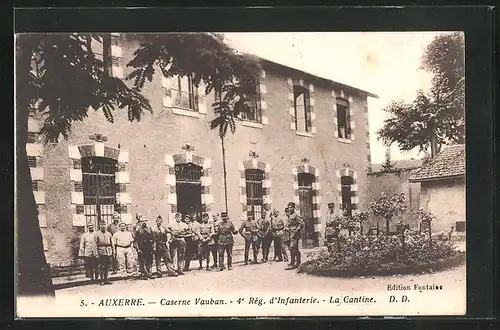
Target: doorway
(188, 189)
(309, 238)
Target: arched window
(347, 182)
(188, 188)
(99, 188)
(255, 193)
(302, 105)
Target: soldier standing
(88, 251)
(296, 227)
(144, 244)
(178, 243)
(161, 249)
(206, 240)
(112, 229)
(249, 231)
(215, 248)
(225, 232)
(265, 236)
(104, 250)
(122, 249)
(332, 227)
(277, 226)
(191, 241)
(285, 248)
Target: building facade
(306, 140)
(441, 187)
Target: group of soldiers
(177, 243)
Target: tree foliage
(439, 115)
(207, 59)
(59, 79)
(388, 207)
(388, 166)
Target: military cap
(330, 205)
(291, 205)
(223, 214)
(102, 222)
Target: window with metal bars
(188, 189)
(253, 110)
(255, 191)
(99, 188)
(346, 184)
(302, 104)
(343, 119)
(184, 93)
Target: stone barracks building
(306, 140)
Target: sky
(383, 63)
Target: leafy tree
(59, 78)
(436, 118)
(388, 207)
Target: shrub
(388, 207)
(381, 253)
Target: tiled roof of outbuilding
(448, 163)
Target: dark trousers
(255, 249)
(266, 245)
(162, 254)
(228, 248)
(104, 267)
(191, 252)
(285, 247)
(214, 249)
(114, 264)
(145, 262)
(203, 252)
(177, 252)
(92, 268)
(295, 252)
(278, 247)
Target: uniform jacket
(205, 233)
(144, 240)
(277, 226)
(249, 229)
(160, 237)
(295, 226)
(104, 244)
(225, 230)
(88, 245)
(264, 226)
(178, 229)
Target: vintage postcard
(240, 174)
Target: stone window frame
(349, 99)
(312, 103)
(347, 171)
(170, 181)
(122, 180)
(266, 184)
(306, 168)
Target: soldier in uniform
(206, 240)
(104, 250)
(144, 244)
(249, 230)
(296, 227)
(215, 248)
(264, 232)
(113, 228)
(88, 251)
(332, 227)
(277, 225)
(191, 241)
(122, 249)
(161, 249)
(285, 248)
(178, 243)
(225, 232)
